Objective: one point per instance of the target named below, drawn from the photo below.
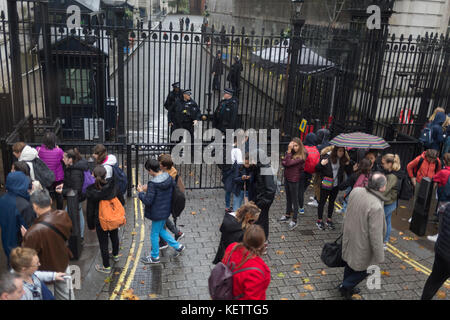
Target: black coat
(217, 66)
(231, 231)
(185, 113)
(225, 116)
(442, 247)
(171, 102)
(26, 211)
(74, 178)
(94, 196)
(262, 189)
(327, 170)
(235, 73)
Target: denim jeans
(227, 199)
(344, 204)
(388, 209)
(159, 231)
(238, 200)
(352, 278)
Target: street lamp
(296, 8)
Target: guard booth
(79, 80)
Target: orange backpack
(111, 214)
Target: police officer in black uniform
(217, 71)
(171, 101)
(225, 116)
(187, 114)
(234, 76)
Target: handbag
(46, 293)
(332, 254)
(327, 183)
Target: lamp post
(295, 47)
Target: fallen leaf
(357, 297)
(393, 239)
(405, 288)
(279, 252)
(116, 273)
(142, 282)
(323, 272)
(385, 273)
(133, 233)
(400, 233)
(421, 247)
(441, 295)
(402, 207)
(193, 213)
(284, 299)
(281, 191)
(197, 182)
(108, 280)
(297, 272)
(204, 209)
(281, 275)
(191, 174)
(305, 280)
(407, 238)
(402, 267)
(129, 295)
(417, 269)
(447, 286)
(297, 265)
(283, 237)
(144, 268)
(316, 277)
(309, 287)
(152, 296)
(302, 295)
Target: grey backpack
(220, 282)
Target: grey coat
(364, 229)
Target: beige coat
(364, 229)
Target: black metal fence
(107, 84)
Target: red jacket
(293, 168)
(252, 283)
(426, 169)
(441, 177)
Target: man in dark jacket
(157, 198)
(48, 236)
(231, 231)
(171, 101)
(217, 71)
(441, 266)
(262, 190)
(234, 76)
(225, 116)
(323, 136)
(15, 210)
(437, 133)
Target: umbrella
(359, 140)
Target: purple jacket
(52, 158)
(293, 169)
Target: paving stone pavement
(186, 277)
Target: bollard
(74, 214)
(421, 208)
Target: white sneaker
(433, 238)
(313, 203)
(311, 198)
(385, 247)
(410, 219)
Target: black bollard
(422, 207)
(74, 214)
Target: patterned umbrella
(359, 140)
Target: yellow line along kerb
(130, 255)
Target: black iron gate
(109, 83)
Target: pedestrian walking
(294, 164)
(24, 152)
(15, 211)
(217, 70)
(251, 284)
(312, 159)
(25, 262)
(103, 189)
(234, 76)
(234, 225)
(74, 168)
(52, 156)
(109, 161)
(157, 198)
(441, 266)
(425, 165)
(166, 165)
(331, 169)
(225, 116)
(11, 286)
(358, 178)
(171, 101)
(443, 191)
(363, 233)
(48, 236)
(262, 190)
(391, 165)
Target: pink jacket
(52, 158)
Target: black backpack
(405, 189)
(178, 201)
(42, 173)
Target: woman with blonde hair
(25, 262)
(233, 226)
(294, 165)
(391, 164)
(435, 112)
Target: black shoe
(348, 294)
(179, 235)
(330, 225)
(320, 225)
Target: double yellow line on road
(137, 219)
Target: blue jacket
(442, 247)
(17, 184)
(158, 199)
(238, 184)
(437, 133)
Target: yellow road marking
(130, 255)
(138, 254)
(402, 256)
